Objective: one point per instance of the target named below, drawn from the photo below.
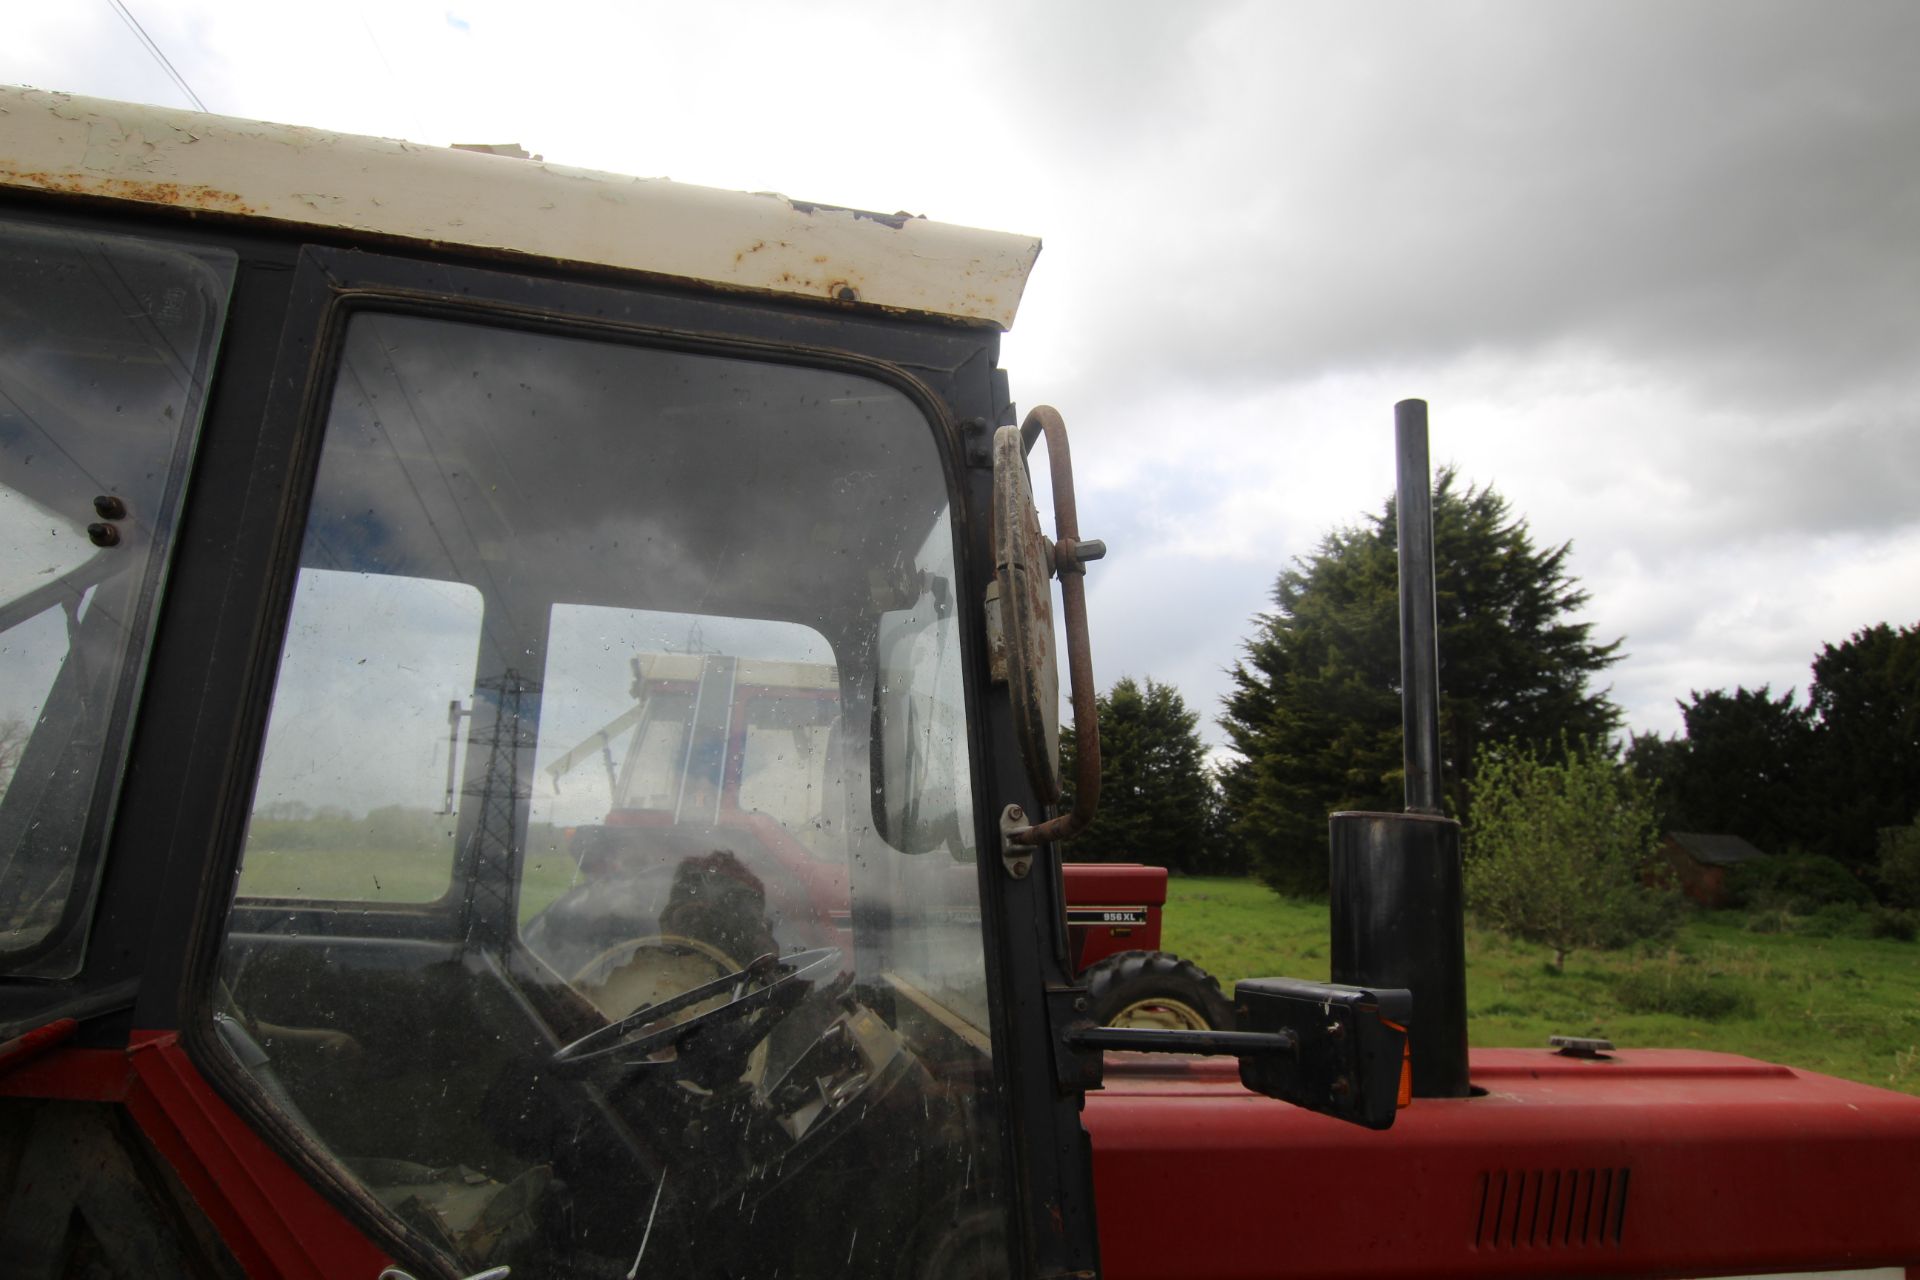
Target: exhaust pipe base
(1397, 922)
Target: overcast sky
(1656, 266)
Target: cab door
(500, 490)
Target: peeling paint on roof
(302, 177)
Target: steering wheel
(653, 1027)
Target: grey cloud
(1716, 204)
(1727, 190)
(1182, 622)
(1861, 472)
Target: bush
(1899, 869)
(1897, 923)
(1835, 920)
(1683, 992)
(1800, 883)
(1558, 851)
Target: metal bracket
(1017, 857)
(977, 434)
(1198, 1043)
(1079, 1047)
(1077, 1068)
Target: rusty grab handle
(1070, 555)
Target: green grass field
(347, 875)
(1844, 1006)
(386, 875)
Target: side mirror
(1351, 1062)
(1020, 609)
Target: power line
(133, 25)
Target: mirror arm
(1070, 555)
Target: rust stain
(838, 290)
(191, 196)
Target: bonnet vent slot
(1551, 1208)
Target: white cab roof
(764, 243)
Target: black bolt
(109, 507)
(103, 535)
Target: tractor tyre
(1155, 989)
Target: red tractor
(1113, 929)
(306, 439)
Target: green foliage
(1897, 923)
(1659, 762)
(1825, 777)
(1683, 991)
(1558, 850)
(1742, 767)
(1158, 802)
(1315, 709)
(1899, 871)
(1833, 920)
(1797, 883)
(1866, 693)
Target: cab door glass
(107, 347)
(671, 996)
(384, 660)
(923, 793)
(924, 797)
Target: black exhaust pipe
(1396, 904)
(1419, 629)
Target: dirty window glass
(686, 972)
(666, 721)
(106, 348)
(381, 659)
(924, 791)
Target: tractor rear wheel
(1155, 989)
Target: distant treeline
(1832, 776)
(292, 825)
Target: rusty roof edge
(56, 142)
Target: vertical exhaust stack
(1419, 628)
(1396, 901)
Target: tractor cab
(496, 704)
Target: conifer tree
(1314, 712)
(1157, 800)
